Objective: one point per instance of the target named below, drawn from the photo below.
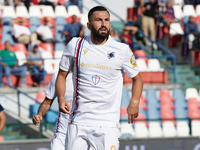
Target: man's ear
(88, 25)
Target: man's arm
(60, 91)
(44, 107)
(133, 107)
(81, 32)
(2, 120)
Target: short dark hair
(96, 8)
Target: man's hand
(64, 106)
(14, 67)
(37, 119)
(133, 110)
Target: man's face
(20, 21)
(7, 45)
(100, 24)
(35, 49)
(169, 3)
(191, 19)
(46, 21)
(74, 18)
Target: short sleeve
(66, 62)
(51, 89)
(129, 63)
(38, 30)
(66, 28)
(1, 108)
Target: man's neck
(98, 41)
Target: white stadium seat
(191, 93)
(34, 11)
(21, 57)
(8, 11)
(198, 10)
(127, 130)
(195, 128)
(84, 19)
(175, 28)
(155, 129)
(154, 65)
(60, 11)
(48, 62)
(21, 11)
(169, 129)
(74, 10)
(57, 56)
(188, 10)
(182, 128)
(47, 11)
(142, 65)
(178, 13)
(179, 2)
(141, 130)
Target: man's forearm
(137, 87)
(2, 120)
(45, 106)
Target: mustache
(103, 28)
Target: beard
(98, 35)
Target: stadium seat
(141, 130)
(191, 93)
(179, 2)
(21, 11)
(21, 57)
(169, 129)
(34, 11)
(140, 54)
(7, 35)
(51, 117)
(59, 47)
(155, 129)
(154, 65)
(61, 21)
(125, 98)
(142, 65)
(182, 128)
(7, 20)
(84, 19)
(188, 10)
(47, 47)
(34, 21)
(181, 113)
(57, 56)
(2, 139)
(178, 94)
(127, 130)
(186, 19)
(40, 97)
(34, 109)
(8, 11)
(47, 11)
(20, 47)
(48, 62)
(178, 13)
(151, 94)
(60, 11)
(195, 128)
(165, 93)
(198, 10)
(141, 118)
(74, 10)
(193, 101)
(176, 29)
(33, 28)
(59, 35)
(153, 113)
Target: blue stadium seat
(181, 113)
(33, 28)
(7, 20)
(61, 21)
(178, 93)
(153, 114)
(51, 116)
(151, 93)
(34, 109)
(7, 34)
(125, 98)
(179, 102)
(186, 19)
(59, 35)
(59, 47)
(34, 21)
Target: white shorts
(80, 137)
(58, 141)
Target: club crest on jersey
(110, 55)
(95, 79)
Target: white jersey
(63, 119)
(98, 79)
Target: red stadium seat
(123, 111)
(141, 54)
(2, 139)
(20, 47)
(2, 47)
(47, 47)
(40, 97)
(141, 118)
(164, 93)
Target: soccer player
(58, 141)
(98, 63)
